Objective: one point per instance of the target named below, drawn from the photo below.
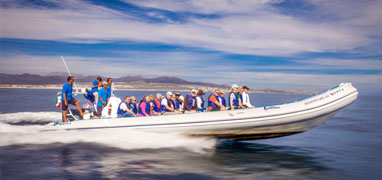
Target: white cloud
(253, 27)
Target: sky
(264, 44)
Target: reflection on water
(231, 160)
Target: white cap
(169, 93)
(194, 90)
(235, 86)
(181, 97)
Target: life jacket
(191, 100)
(177, 104)
(210, 103)
(156, 106)
(133, 107)
(223, 101)
(147, 109)
(235, 101)
(202, 101)
(240, 97)
(120, 111)
(163, 108)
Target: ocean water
(347, 146)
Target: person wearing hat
(245, 97)
(233, 100)
(178, 102)
(189, 104)
(166, 104)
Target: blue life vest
(177, 104)
(163, 108)
(210, 103)
(133, 107)
(240, 97)
(147, 109)
(120, 111)
(191, 100)
(155, 107)
(202, 101)
(223, 101)
(235, 101)
(89, 96)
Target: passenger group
(151, 105)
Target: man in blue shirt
(66, 96)
(96, 83)
(102, 98)
(108, 90)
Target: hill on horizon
(60, 78)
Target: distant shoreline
(153, 87)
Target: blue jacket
(67, 89)
(95, 83)
(102, 94)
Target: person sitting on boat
(178, 102)
(96, 83)
(190, 102)
(233, 99)
(181, 99)
(102, 98)
(173, 104)
(200, 101)
(66, 96)
(222, 98)
(155, 110)
(144, 107)
(133, 105)
(108, 90)
(213, 102)
(157, 101)
(246, 101)
(124, 109)
(166, 104)
(240, 97)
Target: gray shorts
(72, 102)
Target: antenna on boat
(70, 74)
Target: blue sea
(347, 146)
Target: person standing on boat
(213, 102)
(190, 102)
(66, 96)
(246, 101)
(144, 107)
(108, 89)
(102, 98)
(200, 101)
(134, 105)
(166, 104)
(124, 109)
(96, 83)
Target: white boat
(242, 124)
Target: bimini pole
(70, 74)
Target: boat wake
(27, 128)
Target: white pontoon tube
(243, 124)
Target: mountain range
(60, 78)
